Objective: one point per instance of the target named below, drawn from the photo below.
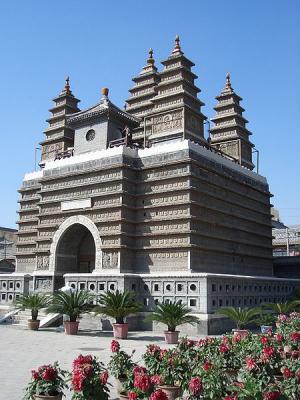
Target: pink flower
(142, 382)
(287, 373)
(282, 317)
(230, 398)
(269, 352)
(264, 340)
(35, 375)
(294, 315)
(139, 370)
(158, 395)
(278, 337)
(162, 353)
(191, 343)
(80, 360)
(156, 380)
(207, 365)
(272, 395)
(115, 346)
(295, 354)
(49, 374)
(195, 386)
(153, 348)
(223, 348)
(237, 338)
(132, 395)
(250, 363)
(295, 336)
(104, 377)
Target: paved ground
(22, 350)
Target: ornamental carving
(43, 285)
(167, 122)
(110, 260)
(42, 262)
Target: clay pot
(119, 384)
(33, 324)
(44, 397)
(120, 331)
(172, 392)
(123, 396)
(171, 337)
(71, 328)
(240, 332)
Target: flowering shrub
(48, 380)
(138, 383)
(120, 362)
(89, 379)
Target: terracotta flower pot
(71, 328)
(240, 332)
(33, 324)
(171, 391)
(171, 337)
(45, 397)
(120, 331)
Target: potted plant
(118, 305)
(89, 379)
(172, 314)
(120, 362)
(33, 302)
(72, 304)
(47, 383)
(265, 321)
(241, 317)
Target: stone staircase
(20, 319)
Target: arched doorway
(75, 252)
(76, 245)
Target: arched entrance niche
(76, 247)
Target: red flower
(153, 348)
(115, 346)
(132, 395)
(195, 386)
(104, 377)
(156, 380)
(80, 360)
(269, 351)
(142, 382)
(35, 375)
(207, 365)
(49, 374)
(191, 342)
(295, 336)
(77, 381)
(278, 337)
(237, 338)
(162, 354)
(295, 354)
(282, 318)
(287, 373)
(264, 340)
(272, 395)
(139, 370)
(158, 395)
(225, 339)
(223, 348)
(250, 363)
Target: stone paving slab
(22, 350)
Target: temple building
(138, 199)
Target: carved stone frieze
(110, 260)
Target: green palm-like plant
(33, 302)
(283, 308)
(117, 305)
(172, 314)
(71, 303)
(264, 319)
(240, 316)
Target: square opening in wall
(11, 285)
(193, 302)
(3, 296)
(133, 286)
(101, 286)
(179, 287)
(81, 286)
(156, 287)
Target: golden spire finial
(228, 82)
(150, 59)
(67, 85)
(105, 92)
(177, 48)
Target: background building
(8, 240)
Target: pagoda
(59, 136)
(229, 133)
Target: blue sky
(105, 43)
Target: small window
(73, 286)
(213, 287)
(4, 284)
(90, 135)
(18, 285)
(101, 286)
(168, 287)
(3, 296)
(193, 287)
(156, 301)
(180, 301)
(214, 303)
(180, 287)
(92, 286)
(156, 287)
(220, 288)
(11, 285)
(10, 297)
(82, 286)
(193, 302)
(112, 286)
(220, 302)
(146, 288)
(227, 288)
(133, 286)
